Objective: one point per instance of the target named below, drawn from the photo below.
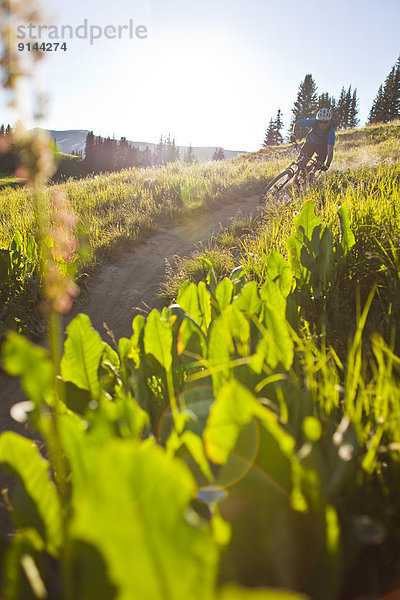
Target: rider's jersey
(316, 135)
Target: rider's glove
(293, 138)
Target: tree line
(385, 107)
(306, 106)
(104, 154)
(8, 153)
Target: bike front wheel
(279, 182)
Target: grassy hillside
(247, 436)
(126, 204)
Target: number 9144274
(43, 47)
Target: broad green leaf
(294, 245)
(307, 220)
(233, 408)
(136, 340)
(205, 305)
(83, 350)
(238, 328)
(325, 257)
(30, 362)
(158, 339)
(280, 347)
(248, 300)
(189, 301)
(132, 511)
(223, 293)
(272, 295)
(211, 278)
(280, 272)
(348, 239)
(236, 273)
(22, 456)
(233, 592)
(195, 445)
(31, 251)
(220, 348)
(187, 330)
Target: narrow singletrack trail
(128, 285)
(125, 286)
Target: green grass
(371, 193)
(10, 181)
(127, 205)
(231, 390)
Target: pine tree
(279, 127)
(90, 151)
(392, 93)
(326, 101)
(174, 151)
(347, 109)
(376, 113)
(219, 154)
(273, 136)
(386, 105)
(159, 152)
(306, 104)
(190, 157)
(269, 139)
(340, 119)
(147, 158)
(353, 112)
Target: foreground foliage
(221, 442)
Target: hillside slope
(74, 140)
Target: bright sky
(212, 72)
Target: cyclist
(320, 139)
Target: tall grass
(127, 205)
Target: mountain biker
(320, 139)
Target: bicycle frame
(304, 163)
(298, 173)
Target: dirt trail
(122, 288)
(127, 285)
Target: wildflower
(60, 289)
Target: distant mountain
(75, 140)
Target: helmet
(325, 114)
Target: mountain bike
(300, 173)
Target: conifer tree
(190, 157)
(306, 104)
(147, 158)
(273, 136)
(89, 151)
(269, 139)
(159, 152)
(219, 154)
(326, 101)
(386, 105)
(340, 110)
(279, 127)
(353, 111)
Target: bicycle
(300, 173)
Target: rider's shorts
(321, 150)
